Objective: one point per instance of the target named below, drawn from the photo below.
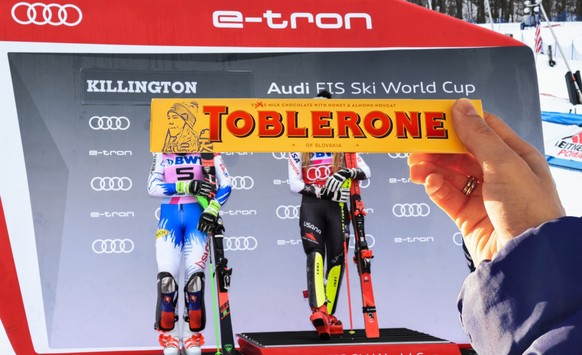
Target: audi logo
(370, 239)
(458, 239)
(411, 210)
(112, 246)
(318, 172)
(279, 156)
(111, 183)
(240, 243)
(242, 182)
(364, 183)
(109, 123)
(287, 212)
(398, 155)
(46, 14)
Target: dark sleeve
(528, 300)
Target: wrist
(214, 205)
(182, 187)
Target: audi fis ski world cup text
(363, 88)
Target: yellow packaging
(303, 125)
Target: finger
(464, 163)
(419, 173)
(447, 196)
(536, 161)
(480, 139)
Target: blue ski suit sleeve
(223, 178)
(528, 300)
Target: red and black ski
(221, 270)
(362, 254)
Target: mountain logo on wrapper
(303, 125)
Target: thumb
(474, 132)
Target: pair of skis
(220, 272)
(362, 255)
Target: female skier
(318, 177)
(189, 210)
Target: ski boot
(170, 342)
(193, 343)
(320, 320)
(335, 325)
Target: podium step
(392, 341)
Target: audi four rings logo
(111, 183)
(242, 182)
(318, 172)
(287, 212)
(370, 239)
(109, 123)
(240, 243)
(364, 183)
(41, 14)
(279, 156)
(112, 246)
(458, 238)
(398, 155)
(411, 210)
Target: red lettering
(321, 124)
(215, 114)
(292, 130)
(349, 120)
(378, 124)
(435, 125)
(270, 124)
(240, 123)
(406, 124)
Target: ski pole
(346, 261)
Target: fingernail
(466, 107)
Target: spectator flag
(538, 39)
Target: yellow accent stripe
(318, 278)
(332, 288)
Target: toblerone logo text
(375, 124)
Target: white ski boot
(170, 342)
(192, 341)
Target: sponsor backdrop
(84, 125)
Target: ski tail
(221, 273)
(346, 230)
(363, 255)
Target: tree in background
(502, 10)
